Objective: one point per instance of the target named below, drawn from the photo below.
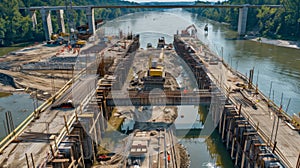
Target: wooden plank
(60, 160)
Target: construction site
(110, 103)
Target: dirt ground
(45, 82)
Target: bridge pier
(243, 13)
(33, 18)
(60, 20)
(91, 19)
(47, 24)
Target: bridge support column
(33, 18)
(243, 12)
(91, 19)
(60, 20)
(46, 18)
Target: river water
(277, 64)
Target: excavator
(186, 31)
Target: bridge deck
(151, 6)
(288, 140)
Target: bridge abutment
(242, 24)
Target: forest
(16, 25)
(275, 23)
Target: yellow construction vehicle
(80, 43)
(60, 34)
(156, 68)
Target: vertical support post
(27, 161)
(237, 154)
(66, 125)
(243, 12)
(60, 20)
(224, 124)
(275, 136)
(33, 18)
(33, 164)
(91, 19)
(232, 147)
(47, 25)
(244, 153)
(228, 134)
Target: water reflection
(207, 152)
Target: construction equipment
(156, 68)
(186, 31)
(58, 35)
(83, 30)
(161, 42)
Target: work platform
(271, 122)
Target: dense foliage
(16, 25)
(283, 23)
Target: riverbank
(280, 43)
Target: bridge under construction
(68, 129)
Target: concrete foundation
(242, 24)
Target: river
(277, 64)
(271, 63)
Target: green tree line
(277, 23)
(16, 25)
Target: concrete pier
(242, 24)
(60, 20)
(33, 18)
(47, 24)
(91, 19)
